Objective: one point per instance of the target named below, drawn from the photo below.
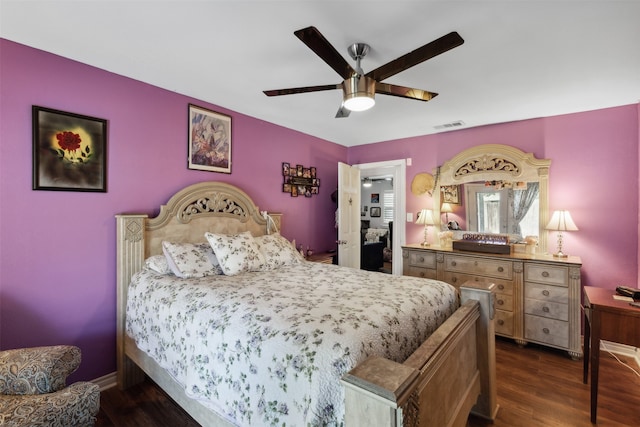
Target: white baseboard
(106, 382)
(624, 350)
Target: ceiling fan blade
(342, 112)
(417, 56)
(404, 92)
(321, 46)
(291, 91)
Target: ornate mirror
(500, 164)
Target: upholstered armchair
(33, 391)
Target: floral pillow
(277, 251)
(159, 264)
(236, 253)
(188, 260)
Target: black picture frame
(375, 212)
(69, 151)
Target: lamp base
(425, 243)
(559, 254)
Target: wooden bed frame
(449, 376)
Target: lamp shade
(446, 208)
(561, 221)
(425, 217)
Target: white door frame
(398, 169)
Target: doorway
(396, 170)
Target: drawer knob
(421, 259)
(545, 274)
(500, 269)
(500, 302)
(545, 330)
(545, 293)
(500, 322)
(453, 263)
(501, 287)
(454, 279)
(545, 309)
(422, 274)
(475, 263)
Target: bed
(265, 355)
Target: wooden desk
(605, 318)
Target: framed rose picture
(69, 151)
(209, 140)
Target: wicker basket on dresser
(537, 297)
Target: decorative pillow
(159, 264)
(277, 251)
(236, 253)
(188, 260)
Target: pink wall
(594, 174)
(57, 249)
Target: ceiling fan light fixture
(359, 93)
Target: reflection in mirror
(505, 190)
(512, 210)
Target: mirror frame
(496, 162)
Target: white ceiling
(520, 60)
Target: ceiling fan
(358, 88)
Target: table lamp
(561, 221)
(446, 209)
(425, 217)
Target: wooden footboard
(449, 376)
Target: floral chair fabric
(33, 392)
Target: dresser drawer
(546, 293)
(504, 302)
(502, 286)
(504, 323)
(543, 273)
(548, 331)
(422, 259)
(425, 273)
(479, 266)
(552, 310)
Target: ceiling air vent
(451, 125)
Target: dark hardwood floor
(537, 386)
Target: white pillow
(188, 260)
(236, 253)
(159, 264)
(277, 251)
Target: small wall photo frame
(375, 212)
(300, 181)
(450, 194)
(209, 140)
(375, 198)
(69, 151)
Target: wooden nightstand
(323, 257)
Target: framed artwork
(450, 194)
(69, 151)
(300, 181)
(375, 198)
(209, 140)
(374, 212)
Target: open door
(348, 216)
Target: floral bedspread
(269, 348)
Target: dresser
(537, 296)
